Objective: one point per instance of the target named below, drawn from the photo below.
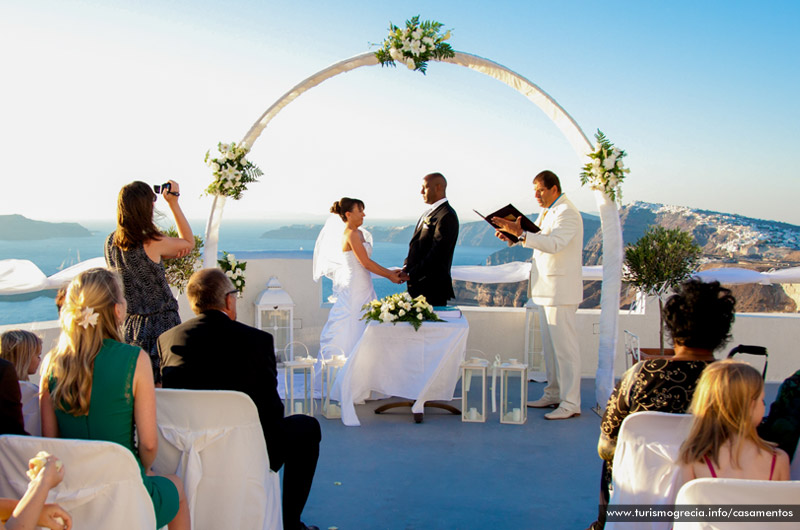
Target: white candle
(473, 413)
(298, 407)
(516, 415)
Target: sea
(53, 255)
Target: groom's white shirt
(431, 209)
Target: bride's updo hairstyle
(87, 318)
(344, 205)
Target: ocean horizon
(53, 255)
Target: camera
(166, 187)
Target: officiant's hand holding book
(509, 223)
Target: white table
(395, 360)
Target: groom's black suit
(430, 256)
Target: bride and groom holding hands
(343, 253)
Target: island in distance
(19, 228)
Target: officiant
(557, 288)
(430, 252)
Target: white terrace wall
(495, 331)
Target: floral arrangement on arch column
(605, 170)
(232, 171)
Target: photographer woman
(136, 250)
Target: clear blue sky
(703, 96)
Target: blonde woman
(24, 350)
(728, 405)
(95, 387)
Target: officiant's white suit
(557, 288)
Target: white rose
(396, 54)
(419, 316)
(402, 312)
(416, 34)
(609, 163)
(428, 41)
(616, 152)
(229, 274)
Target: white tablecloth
(395, 360)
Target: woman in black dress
(136, 250)
(698, 317)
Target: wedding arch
(612, 234)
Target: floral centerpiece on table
(233, 269)
(415, 45)
(400, 307)
(232, 171)
(605, 171)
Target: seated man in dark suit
(215, 352)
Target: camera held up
(166, 187)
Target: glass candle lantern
(473, 390)
(275, 315)
(304, 404)
(331, 408)
(513, 392)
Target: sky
(96, 94)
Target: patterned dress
(663, 385)
(152, 309)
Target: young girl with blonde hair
(728, 405)
(23, 349)
(97, 388)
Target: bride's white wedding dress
(352, 287)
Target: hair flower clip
(88, 318)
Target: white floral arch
(612, 237)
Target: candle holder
(513, 392)
(331, 408)
(300, 365)
(473, 390)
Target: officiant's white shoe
(544, 403)
(561, 414)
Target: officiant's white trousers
(562, 356)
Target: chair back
(102, 486)
(31, 415)
(759, 351)
(719, 491)
(645, 463)
(213, 440)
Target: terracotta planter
(655, 353)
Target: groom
(430, 252)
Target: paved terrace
(444, 474)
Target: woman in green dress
(98, 388)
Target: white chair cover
(214, 442)
(30, 408)
(102, 486)
(718, 491)
(645, 469)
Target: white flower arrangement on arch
(415, 45)
(605, 170)
(232, 171)
(233, 269)
(400, 307)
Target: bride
(342, 253)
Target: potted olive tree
(658, 262)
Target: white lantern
(293, 367)
(275, 315)
(534, 352)
(331, 408)
(473, 390)
(513, 392)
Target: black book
(511, 213)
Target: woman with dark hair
(342, 253)
(136, 250)
(698, 317)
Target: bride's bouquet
(400, 307)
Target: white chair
(214, 442)
(719, 491)
(645, 468)
(102, 486)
